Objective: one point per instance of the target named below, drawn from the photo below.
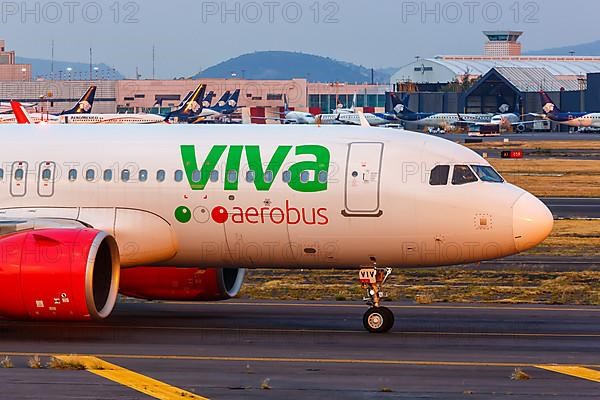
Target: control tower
(502, 43)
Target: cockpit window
(487, 174)
(439, 175)
(462, 175)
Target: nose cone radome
(532, 222)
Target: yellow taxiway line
(133, 380)
(573, 370)
(439, 363)
(96, 365)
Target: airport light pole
(581, 79)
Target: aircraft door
(18, 179)
(363, 173)
(46, 179)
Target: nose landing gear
(377, 319)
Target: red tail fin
(20, 114)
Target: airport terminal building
(485, 83)
(502, 76)
(160, 96)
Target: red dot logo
(219, 215)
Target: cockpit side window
(439, 175)
(487, 174)
(462, 175)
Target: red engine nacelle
(181, 284)
(58, 274)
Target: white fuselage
(505, 119)
(299, 117)
(329, 197)
(448, 120)
(35, 118)
(112, 119)
(350, 118)
(210, 114)
(591, 120)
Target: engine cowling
(58, 274)
(181, 284)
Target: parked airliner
(173, 213)
(374, 119)
(82, 107)
(574, 119)
(296, 117)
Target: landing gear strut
(377, 319)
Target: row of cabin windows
(464, 174)
(178, 176)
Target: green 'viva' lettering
(255, 164)
(321, 163)
(188, 155)
(304, 175)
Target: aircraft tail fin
(399, 106)
(548, 105)
(85, 104)
(21, 114)
(192, 105)
(207, 102)
(185, 99)
(223, 100)
(233, 99)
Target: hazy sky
(192, 35)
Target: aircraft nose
(532, 222)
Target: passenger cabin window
(125, 175)
(462, 175)
(1, 174)
(214, 176)
(143, 175)
(250, 176)
(268, 176)
(108, 175)
(196, 176)
(178, 175)
(304, 176)
(72, 175)
(439, 175)
(287, 176)
(232, 176)
(323, 177)
(90, 175)
(487, 174)
(161, 175)
(46, 175)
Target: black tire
(378, 320)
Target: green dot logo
(183, 214)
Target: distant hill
(289, 65)
(42, 68)
(585, 49)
